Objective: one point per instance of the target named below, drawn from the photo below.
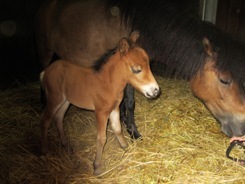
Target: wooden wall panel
(231, 17)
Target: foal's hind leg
(59, 118)
(117, 129)
(127, 112)
(45, 121)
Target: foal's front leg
(102, 119)
(127, 112)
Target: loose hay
(182, 143)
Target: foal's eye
(136, 70)
(225, 81)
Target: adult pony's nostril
(233, 128)
(238, 129)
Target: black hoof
(134, 134)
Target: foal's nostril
(151, 91)
(156, 92)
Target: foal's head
(137, 66)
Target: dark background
(18, 60)
(231, 17)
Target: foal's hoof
(124, 145)
(134, 134)
(44, 150)
(98, 171)
(67, 147)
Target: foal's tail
(41, 79)
(41, 76)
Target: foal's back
(66, 81)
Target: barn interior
(181, 143)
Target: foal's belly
(84, 103)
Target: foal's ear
(208, 47)
(123, 46)
(134, 36)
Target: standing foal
(99, 89)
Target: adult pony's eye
(136, 69)
(225, 81)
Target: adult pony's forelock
(230, 54)
(172, 36)
(103, 60)
(231, 57)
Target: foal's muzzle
(153, 92)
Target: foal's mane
(103, 60)
(98, 65)
(173, 37)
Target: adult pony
(99, 89)
(81, 30)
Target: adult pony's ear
(123, 47)
(208, 47)
(134, 36)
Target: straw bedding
(182, 143)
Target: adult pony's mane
(173, 37)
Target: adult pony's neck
(173, 37)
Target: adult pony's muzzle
(151, 91)
(233, 129)
(235, 126)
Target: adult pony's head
(136, 60)
(221, 93)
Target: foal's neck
(115, 72)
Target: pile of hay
(182, 143)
